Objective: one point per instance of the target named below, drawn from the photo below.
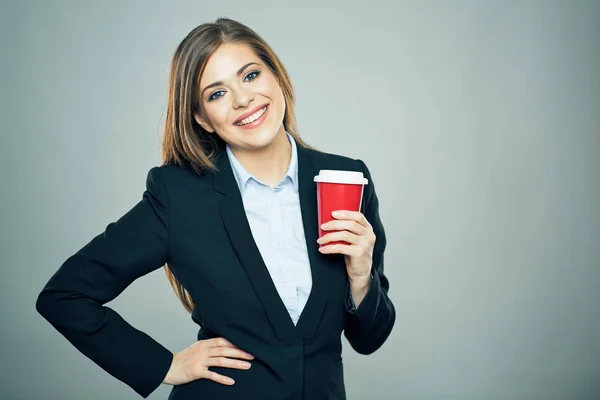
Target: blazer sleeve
(369, 325)
(74, 297)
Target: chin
(264, 138)
(258, 138)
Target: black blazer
(197, 224)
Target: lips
(249, 113)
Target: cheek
(218, 114)
(282, 100)
(281, 104)
(276, 94)
(271, 87)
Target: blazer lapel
(239, 232)
(307, 188)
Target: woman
(232, 216)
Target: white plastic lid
(347, 177)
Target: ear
(204, 124)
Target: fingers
(217, 356)
(350, 251)
(351, 227)
(345, 236)
(345, 225)
(225, 362)
(366, 240)
(213, 376)
(351, 215)
(194, 361)
(222, 362)
(229, 352)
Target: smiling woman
(232, 216)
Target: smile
(254, 117)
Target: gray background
(479, 122)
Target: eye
(252, 75)
(248, 78)
(214, 95)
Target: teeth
(253, 117)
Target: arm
(74, 297)
(369, 325)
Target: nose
(241, 98)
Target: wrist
(359, 289)
(169, 378)
(360, 283)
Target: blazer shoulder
(179, 181)
(326, 160)
(173, 172)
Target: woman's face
(240, 99)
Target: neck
(270, 163)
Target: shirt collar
(242, 176)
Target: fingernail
(230, 381)
(246, 364)
(336, 213)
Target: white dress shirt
(275, 219)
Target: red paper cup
(338, 190)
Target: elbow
(56, 306)
(368, 347)
(46, 305)
(365, 350)
(70, 312)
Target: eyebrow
(218, 83)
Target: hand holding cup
(343, 229)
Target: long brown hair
(185, 142)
